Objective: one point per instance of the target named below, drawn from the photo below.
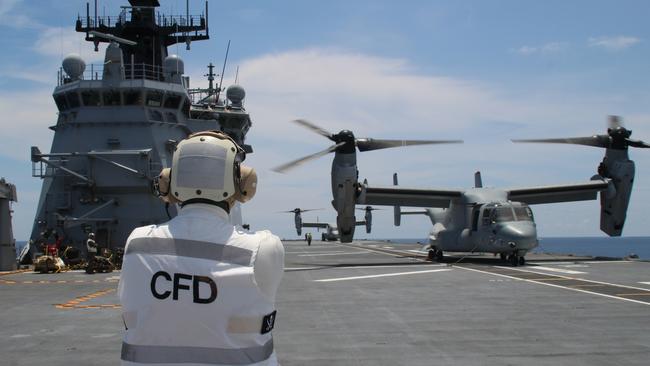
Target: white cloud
(59, 42)
(10, 18)
(613, 43)
(548, 48)
(7, 5)
(26, 116)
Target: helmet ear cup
(247, 186)
(163, 182)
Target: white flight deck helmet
(207, 166)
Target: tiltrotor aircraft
(345, 188)
(331, 231)
(487, 219)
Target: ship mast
(152, 31)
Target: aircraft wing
(315, 224)
(400, 196)
(559, 193)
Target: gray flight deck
(375, 303)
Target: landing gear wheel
(514, 260)
(440, 256)
(431, 255)
(503, 256)
(522, 261)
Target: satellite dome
(236, 94)
(174, 65)
(74, 66)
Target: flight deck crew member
(91, 248)
(198, 290)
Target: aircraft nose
(520, 235)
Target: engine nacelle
(344, 191)
(298, 221)
(368, 218)
(613, 205)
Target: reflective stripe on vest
(204, 355)
(191, 249)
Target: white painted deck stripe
(326, 254)
(558, 286)
(560, 270)
(382, 275)
(313, 252)
(577, 279)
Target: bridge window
(132, 97)
(73, 99)
(112, 98)
(154, 99)
(154, 115)
(171, 117)
(61, 102)
(186, 107)
(90, 98)
(172, 101)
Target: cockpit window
(524, 213)
(502, 214)
(487, 213)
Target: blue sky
(483, 71)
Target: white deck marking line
(397, 252)
(382, 275)
(558, 286)
(326, 254)
(417, 251)
(308, 252)
(578, 262)
(574, 278)
(645, 283)
(561, 270)
(290, 269)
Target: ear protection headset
(207, 166)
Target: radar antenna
(223, 69)
(113, 38)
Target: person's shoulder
(141, 232)
(267, 237)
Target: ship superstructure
(7, 241)
(118, 124)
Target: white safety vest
(195, 302)
(91, 246)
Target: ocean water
(592, 246)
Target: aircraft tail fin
(397, 210)
(478, 181)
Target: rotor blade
(638, 143)
(367, 144)
(306, 210)
(314, 128)
(292, 164)
(597, 141)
